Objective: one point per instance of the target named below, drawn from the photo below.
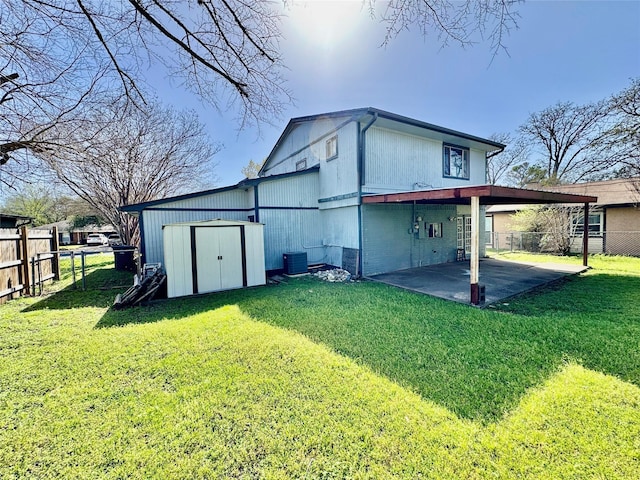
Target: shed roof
(217, 222)
(489, 195)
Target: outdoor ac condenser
(295, 263)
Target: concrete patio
(501, 278)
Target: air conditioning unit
(295, 263)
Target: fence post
(39, 260)
(73, 269)
(33, 276)
(24, 238)
(55, 261)
(84, 281)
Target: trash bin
(124, 257)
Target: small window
(595, 224)
(301, 164)
(435, 230)
(455, 162)
(332, 147)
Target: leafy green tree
(526, 173)
(252, 169)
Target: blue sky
(578, 51)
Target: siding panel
(401, 162)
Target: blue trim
(339, 197)
(143, 249)
(262, 207)
(187, 209)
(256, 204)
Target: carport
(504, 278)
(485, 195)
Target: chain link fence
(611, 243)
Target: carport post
(475, 250)
(585, 236)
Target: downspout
(143, 250)
(361, 158)
(256, 204)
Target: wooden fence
(27, 259)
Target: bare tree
(463, 23)
(623, 136)
(136, 156)
(565, 138)
(500, 162)
(58, 56)
(552, 227)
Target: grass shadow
(477, 363)
(101, 285)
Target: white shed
(213, 255)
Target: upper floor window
(332, 147)
(301, 164)
(455, 162)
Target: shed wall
(177, 261)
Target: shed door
(218, 261)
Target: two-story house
(365, 189)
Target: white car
(97, 239)
(114, 239)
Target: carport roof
(488, 194)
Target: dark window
(455, 162)
(435, 230)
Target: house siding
(340, 230)
(339, 176)
(417, 163)
(622, 231)
(389, 246)
(305, 141)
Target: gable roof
(393, 121)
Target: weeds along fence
(28, 258)
(610, 242)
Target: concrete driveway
(502, 279)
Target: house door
(218, 261)
(464, 233)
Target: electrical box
(295, 263)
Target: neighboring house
(67, 235)
(8, 220)
(364, 189)
(614, 220)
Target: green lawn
(315, 380)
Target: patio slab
(502, 278)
